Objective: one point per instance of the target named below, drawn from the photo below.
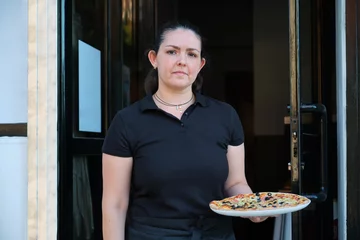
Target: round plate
(261, 213)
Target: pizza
(259, 201)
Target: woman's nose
(182, 59)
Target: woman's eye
(171, 52)
(192, 55)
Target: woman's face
(179, 59)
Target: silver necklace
(177, 106)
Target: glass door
(98, 66)
(311, 125)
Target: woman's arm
(236, 182)
(116, 187)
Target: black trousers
(179, 229)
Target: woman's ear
(152, 58)
(203, 62)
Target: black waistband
(182, 223)
(194, 228)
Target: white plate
(261, 213)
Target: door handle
(320, 196)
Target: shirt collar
(201, 99)
(147, 103)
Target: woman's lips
(180, 73)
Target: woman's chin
(180, 84)
(180, 87)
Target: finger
(258, 219)
(255, 219)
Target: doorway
(248, 66)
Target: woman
(168, 155)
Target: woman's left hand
(260, 219)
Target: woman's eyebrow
(178, 48)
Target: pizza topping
(259, 201)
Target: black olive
(269, 194)
(267, 198)
(259, 200)
(281, 202)
(257, 194)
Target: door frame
(348, 120)
(341, 114)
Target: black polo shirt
(179, 166)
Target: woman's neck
(174, 97)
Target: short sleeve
(117, 142)
(237, 132)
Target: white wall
(13, 109)
(13, 188)
(13, 61)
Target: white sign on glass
(89, 88)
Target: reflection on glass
(127, 20)
(82, 200)
(122, 53)
(127, 25)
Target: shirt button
(186, 114)
(182, 124)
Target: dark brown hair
(151, 81)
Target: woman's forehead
(182, 38)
